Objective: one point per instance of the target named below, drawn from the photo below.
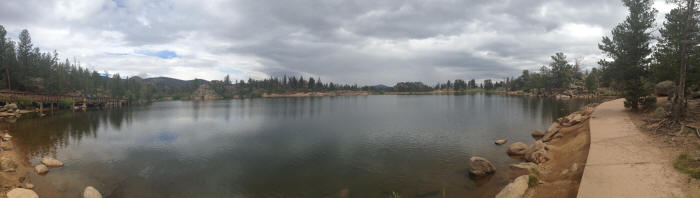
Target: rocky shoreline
(16, 171)
(552, 166)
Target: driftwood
(697, 130)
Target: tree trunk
(678, 108)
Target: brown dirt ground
(673, 142)
(559, 180)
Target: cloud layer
(364, 42)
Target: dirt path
(625, 162)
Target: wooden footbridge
(42, 100)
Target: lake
(361, 146)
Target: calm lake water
(362, 146)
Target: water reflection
(366, 146)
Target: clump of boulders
(46, 163)
(10, 110)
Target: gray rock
(517, 148)
(536, 152)
(664, 88)
(51, 162)
(515, 189)
(479, 166)
(21, 193)
(91, 192)
(41, 169)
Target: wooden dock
(42, 100)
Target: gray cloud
(364, 42)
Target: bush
(532, 180)
(687, 165)
(24, 103)
(649, 102)
(66, 103)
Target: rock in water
(537, 133)
(51, 162)
(479, 166)
(21, 193)
(12, 107)
(515, 189)
(6, 164)
(517, 148)
(41, 169)
(91, 192)
(501, 142)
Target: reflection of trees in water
(43, 136)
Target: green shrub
(24, 103)
(532, 180)
(687, 165)
(66, 103)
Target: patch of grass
(532, 180)
(394, 195)
(24, 103)
(687, 165)
(535, 171)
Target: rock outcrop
(479, 166)
(517, 148)
(551, 131)
(91, 192)
(515, 189)
(536, 153)
(51, 162)
(501, 142)
(21, 193)
(7, 165)
(205, 92)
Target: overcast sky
(364, 42)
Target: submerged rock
(501, 142)
(51, 162)
(91, 192)
(21, 193)
(515, 189)
(517, 148)
(479, 166)
(41, 169)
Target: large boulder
(659, 113)
(501, 142)
(517, 148)
(91, 192)
(7, 165)
(537, 134)
(41, 169)
(479, 166)
(551, 131)
(664, 88)
(536, 152)
(515, 189)
(21, 193)
(12, 107)
(51, 162)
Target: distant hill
(172, 86)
